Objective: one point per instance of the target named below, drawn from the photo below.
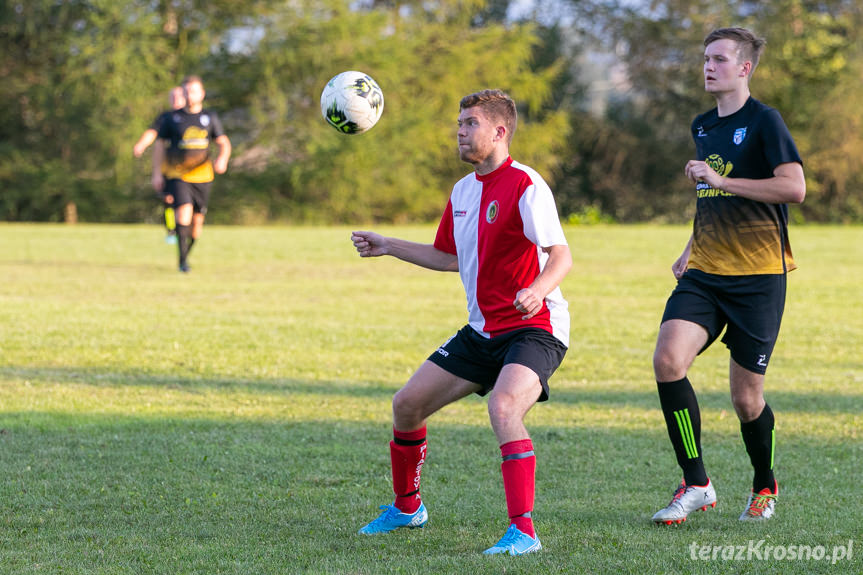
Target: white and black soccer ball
(352, 102)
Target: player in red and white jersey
(501, 232)
(495, 223)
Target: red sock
(519, 473)
(407, 453)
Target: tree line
(83, 78)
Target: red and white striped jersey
(497, 224)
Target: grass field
(236, 420)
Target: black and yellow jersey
(187, 156)
(156, 126)
(734, 235)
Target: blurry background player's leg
(184, 233)
(170, 217)
(170, 224)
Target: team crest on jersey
(492, 212)
(205, 121)
(739, 134)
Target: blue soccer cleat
(392, 518)
(515, 542)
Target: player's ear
(500, 133)
(746, 69)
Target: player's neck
(491, 163)
(194, 108)
(729, 102)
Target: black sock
(183, 236)
(759, 438)
(191, 243)
(683, 420)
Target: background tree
(425, 57)
(629, 164)
(82, 78)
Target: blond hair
(749, 46)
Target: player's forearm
(558, 265)
(224, 149)
(424, 255)
(147, 138)
(158, 157)
(787, 186)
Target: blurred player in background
(731, 274)
(177, 99)
(188, 168)
(501, 232)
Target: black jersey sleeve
(216, 128)
(160, 121)
(778, 145)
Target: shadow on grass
(647, 399)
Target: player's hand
(138, 150)
(220, 166)
(699, 171)
(158, 181)
(527, 302)
(679, 266)
(369, 244)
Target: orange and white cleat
(686, 499)
(761, 505)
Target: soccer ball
(352, 102)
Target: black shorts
(750, 306)
(197, 194)
(478, 359)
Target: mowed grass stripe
(237, 420)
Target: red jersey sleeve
(444, 239)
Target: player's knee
(406, 410)
(668, 366)
(747, 407)
(501, 408)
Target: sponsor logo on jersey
(739, 134)
(194, 138)
(491, 212)
(721, 167)
(459, 213)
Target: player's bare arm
(157, 178)
(680, 264)
(147, 138)
(371, 244)
(787, 186)
(220, 166)
(529, 300)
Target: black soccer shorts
(750, 307)
(197, 194)
(478, 359)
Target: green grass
(236, 420)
